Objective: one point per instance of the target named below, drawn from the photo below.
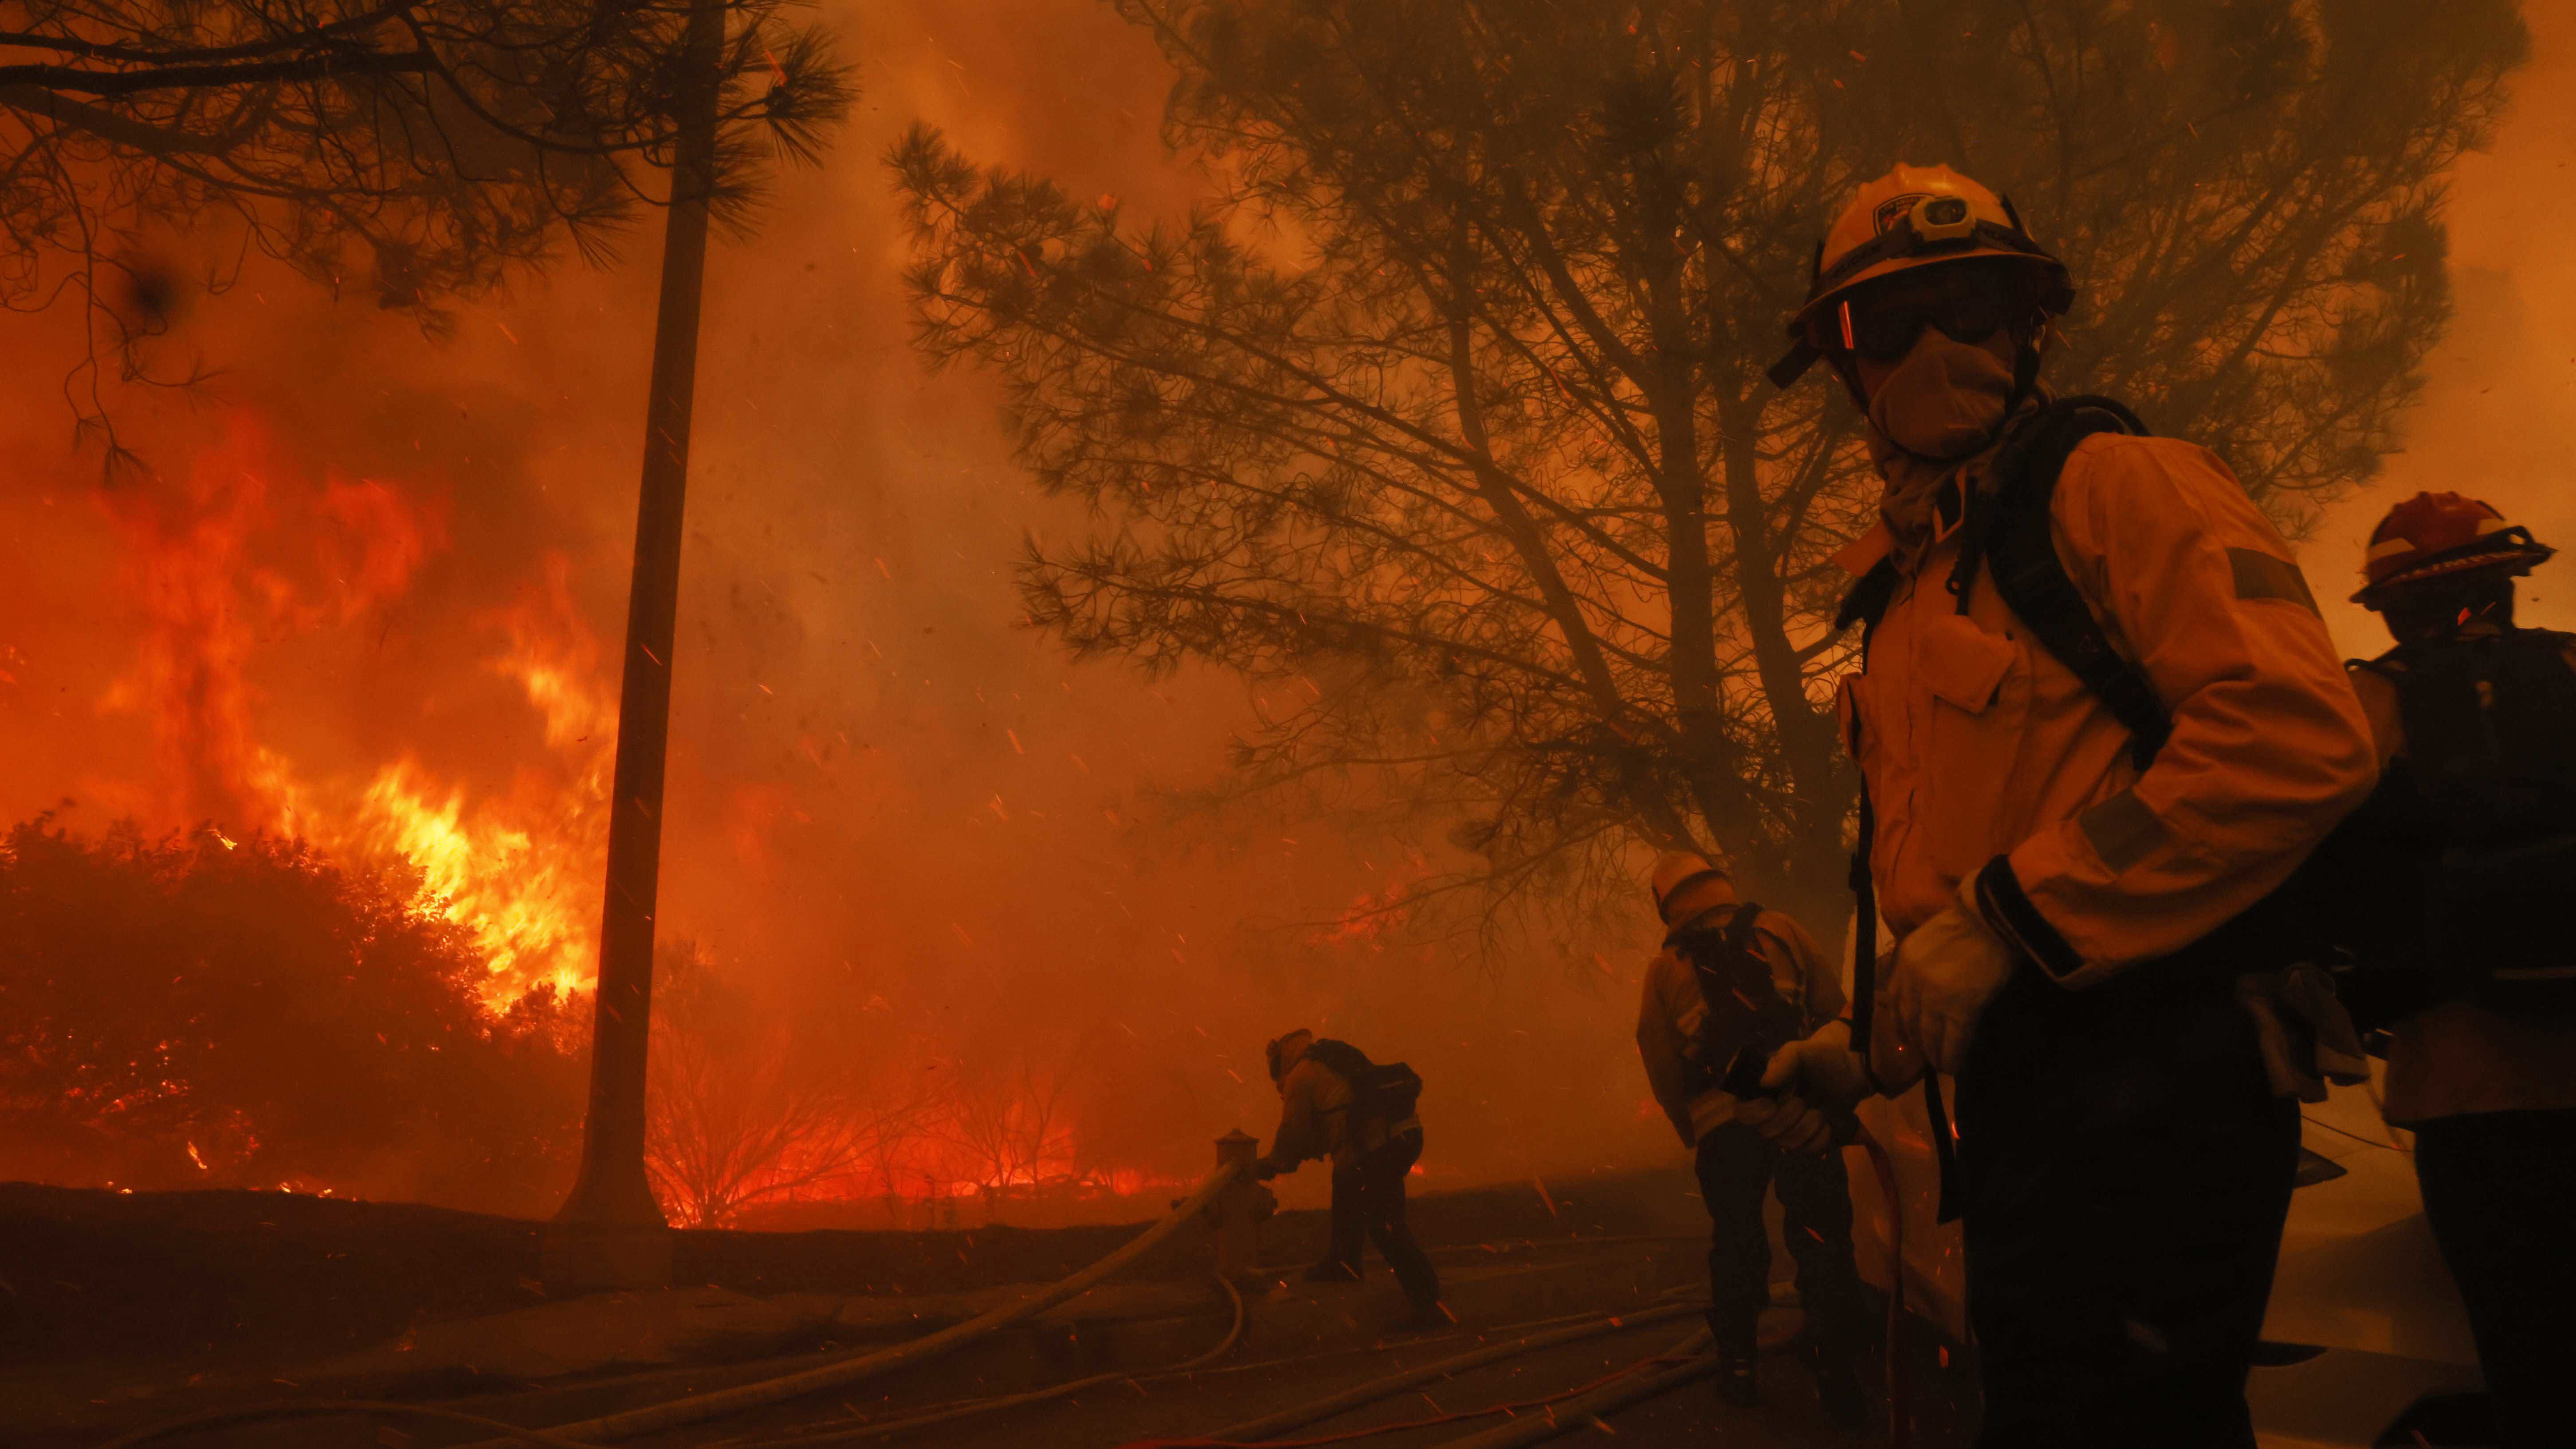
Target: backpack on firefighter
(1744, 1009)
(2481, 812)
(1385, 1094)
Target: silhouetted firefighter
(1733, 975)
(2476, 719)
(1335, 1102)
(2099, 725)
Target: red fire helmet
(2432, 535)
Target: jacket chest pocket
(1971, 699)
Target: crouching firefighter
(2099, 722)
(2476, 721)
(1732, 975)
(1335, 1102)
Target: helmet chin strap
(2026, 350)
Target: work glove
(1810, 1088)
(2306, 1037)
(1786, 1122)
(1894, 1063)
(1823, 1069)
(1947, 969)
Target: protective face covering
(1944, 402)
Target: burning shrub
(751, 1106)
(197, 1011)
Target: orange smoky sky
(2498, 415)
(373, 591)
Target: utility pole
(610, 1232)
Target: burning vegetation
(374, 982)
(200, 1010)
(232, 560)
(203, 1010)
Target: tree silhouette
(414, 150)
(1451, 402)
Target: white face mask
(1944, 402)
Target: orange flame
(216, 569)
(522, 872)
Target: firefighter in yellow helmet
(2478, 717)
(2099, 724)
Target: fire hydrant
(1236, 1214)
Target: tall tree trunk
(613, 1192)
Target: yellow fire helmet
(1914, 216)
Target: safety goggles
(1881, 323)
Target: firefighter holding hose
(1336, 1103)
(2099, 722)
(1732, 975)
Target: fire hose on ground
(697, 1408)
(1564, 1413)
(1557, 1331)
(853, 1433)
(1686, 1360)
(1272, 1425)
(1620, 1390)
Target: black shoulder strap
(2020, 555)
(1739, 932)
(1736, 944)
(1865, 604)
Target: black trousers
(1735, 1165)
(2125, 1172)
(2499, 1189)
(1368, 1201)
